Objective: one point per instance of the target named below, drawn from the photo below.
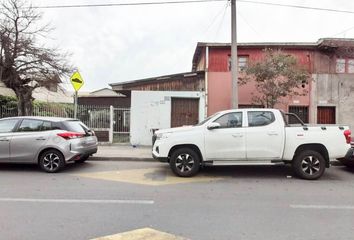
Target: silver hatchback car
(46, 141)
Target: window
(260, 118)
(7, 125)
(47, 126)
(230, 120)
(30, 125)
(350, 65)
(76, 126)
(301, 111)
(340, 65)
(242, 62)
(345, 65)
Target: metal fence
(112, 123)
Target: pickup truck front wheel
(185, 162)
(309, 165)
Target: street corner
(148, 176)
(142, 234)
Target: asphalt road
(97, 199)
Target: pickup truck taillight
(70, 135)
(348, 137)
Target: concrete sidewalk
(122, 152)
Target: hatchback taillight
(348, 137)
(70, 135)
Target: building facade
(330, 89)
(330, 63)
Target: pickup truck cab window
(260, 118)
(230, 120)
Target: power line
(249, 25)
(222, 20)
(344, 31)
(297, 6)
(192, 1)
(215, 18)
(125, 4)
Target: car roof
(50, 119)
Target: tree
(277, 75)
(25, 64)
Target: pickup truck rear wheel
(309, 165)
(185, 162)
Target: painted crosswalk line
(141, 234)
(147, 176)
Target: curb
(121, 159)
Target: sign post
(77, 82)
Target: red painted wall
(219, 79)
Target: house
(329, 61)
(163, 102)
(104, 97)
(185, 109)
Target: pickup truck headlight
(162, 136)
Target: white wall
(152, 110)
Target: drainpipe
(206, 80)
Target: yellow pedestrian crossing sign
(77, 81)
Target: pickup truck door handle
(40, 139)
(237, 135)
(273, 133)
(4, 140)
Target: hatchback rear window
(75, 126)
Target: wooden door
(326, 115)
(184, 111)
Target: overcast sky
(116, 44)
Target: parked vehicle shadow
(69, 168)
(257, 172)
(347, 169)
(247, 171)
(16, 167)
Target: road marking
(99, 201)
(142, 234)
(336, 207)
(148, 176)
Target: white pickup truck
(252, 137)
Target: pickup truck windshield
(205, 120)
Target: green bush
(7, 101)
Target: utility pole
(234, 65)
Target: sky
(117, 44)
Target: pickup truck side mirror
(213, 125)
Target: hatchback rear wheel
(51, 161)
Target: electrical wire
(344, 31)
(297, 6)
(215, 18)
(222, 21)
(249, 25)
(125, 4)
(192, 1)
